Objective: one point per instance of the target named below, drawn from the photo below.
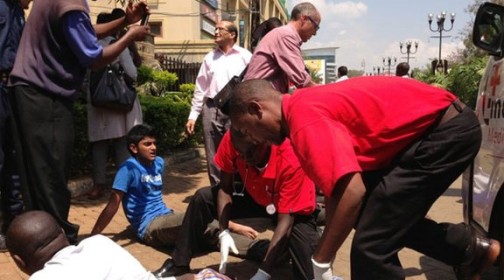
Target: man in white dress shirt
(218, 67)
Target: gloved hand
(261, 275)
(226, 242)
(322, 271)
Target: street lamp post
(387, 62)
(408, 45)
(440, 28)
(377, 70)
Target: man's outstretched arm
(342, 211)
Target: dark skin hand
(134, 13)
(342, 211)
(280, 237)
(279, 242)
(224, 202)
(112, 51)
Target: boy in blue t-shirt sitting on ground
(138, 184)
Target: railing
(186, 72)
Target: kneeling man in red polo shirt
(382, 150)
(274, 186)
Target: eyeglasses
(220, 29)
(317, 27)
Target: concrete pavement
(182, 178)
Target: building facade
(184, 29)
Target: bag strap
(242, 74)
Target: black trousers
(11, 202)
(202, 210)
(399, 197)
(44, 135)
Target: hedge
(167, 114)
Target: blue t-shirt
(142, 187)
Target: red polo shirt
(358, 125)
(282, 183)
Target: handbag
(221, 99)
(109, 89)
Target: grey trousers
(163, 230)
(215, 124)
(100, 151)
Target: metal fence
(186, 71)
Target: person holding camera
(57, 46)
(107, 128)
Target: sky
(369, 30)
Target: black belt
(451, 111)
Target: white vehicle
(483, 194)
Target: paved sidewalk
(182, 179)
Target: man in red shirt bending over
(274, 186)
(382, 150)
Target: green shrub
(164, 78)
(153, 81)
(167, 114)
(144, 74)
(462, 79)
(187, 88)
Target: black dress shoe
(170, 269)
(484, 254)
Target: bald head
(251, 90)
(33, 238)
(255, 110)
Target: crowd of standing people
(380, 150)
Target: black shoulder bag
(221, 99)
(108, 89)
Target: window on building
(156, 28)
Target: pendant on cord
(270, 209)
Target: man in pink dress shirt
(218, 67)
(278, 57)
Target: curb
(80, 186)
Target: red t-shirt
(282, 183)
(361, 124)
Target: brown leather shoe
(485, 253)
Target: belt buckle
(4, 77)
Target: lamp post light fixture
(377, 70)
(387, 62)
(408, 51)
(440, 19)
